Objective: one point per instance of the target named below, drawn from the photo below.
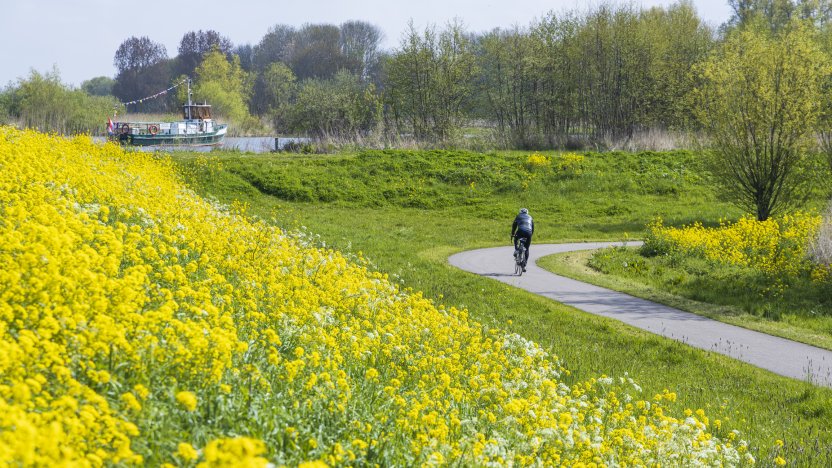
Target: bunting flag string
(160, 93)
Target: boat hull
(201, 139)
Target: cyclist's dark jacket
(523, 223)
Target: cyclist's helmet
(523, 210)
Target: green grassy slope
(408, 211)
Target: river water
(245, 144)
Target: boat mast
(189, 98)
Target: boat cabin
(196, 111)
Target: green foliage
(589, 77)
(143, 70)
(98, 86)
(41, 101)
(572, 185)
(5, 106)
(342, 106)
(759, 99)
(194, 45)
(220, 83)
(279, 89)
(430, 81)
(507, 73)
(776, 15)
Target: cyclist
(523, 228)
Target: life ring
(153, 129)
(125, 128)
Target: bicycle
(520, 257)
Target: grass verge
(814, 331)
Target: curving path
(778, 355)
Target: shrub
(777, 247)
(537, 160)
(570, 164)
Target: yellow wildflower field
(140, 323)
(776, 246)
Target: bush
(777, 247)
(570, 164)
(43, 102)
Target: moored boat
(196, 129)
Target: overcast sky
(80, 37)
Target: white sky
(81, 37)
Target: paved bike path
(779, 355)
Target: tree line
(579, 77)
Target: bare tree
(194, 45)
(138, 53)
(274, 47)
(316, 51)
(143, 69)
(359, 45)
(246, 54)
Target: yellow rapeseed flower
(116, 275)
(188, 400)
(186, 451)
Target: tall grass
(483, 137)
(821, 248)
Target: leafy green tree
(615, 62)
(678, 40)
(778, 14)
(759, 100)
(430, 81)
(5, 106)
(824, 124)
(222, 83)
(594, 76)
(99, 86)
(775, 14)
(507, 80)
(137, 53)
(343, 106)
(246, 54)
(315, 52)
(558, 73)
(280, 88)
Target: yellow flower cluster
(775, 246)
(538, 160)
(141, 323)
(571, 163)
